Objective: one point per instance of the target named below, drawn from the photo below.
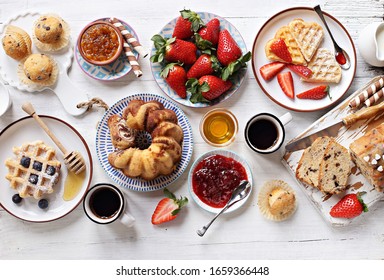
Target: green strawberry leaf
(359, 197)
(235, 66)
(204, 87)
(164, 73)
(169, 194)
(203, 45)
(194, 18)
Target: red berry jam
(340, 58)
(215, 178)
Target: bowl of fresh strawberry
(199, 59)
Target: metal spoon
(241, 192)
(339, 52)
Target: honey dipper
(73, 160)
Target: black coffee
(263, 134)
(105, 203)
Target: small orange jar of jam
(100, 43)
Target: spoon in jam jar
(241, 192)
(341, 55)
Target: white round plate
(228, 154)
(156, 68)
(272, 89)
(104, 145)
(27, 130)
(8, 66)
(110, 72)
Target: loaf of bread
(325, 165)
(368, 154)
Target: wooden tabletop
(243, 234)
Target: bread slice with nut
(335, 168)
(308, 168)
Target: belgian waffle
(308, 36)
(34, 171)
(293, 48)
(324, 68)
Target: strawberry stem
(196, 90)
(359, 197)
(160, 44)
(194, 18)
(181, 202)
(235, 66)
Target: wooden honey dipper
(73, 160)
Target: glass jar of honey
(219, 127)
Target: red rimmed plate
(272, 89)
(27, 130)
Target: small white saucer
(5, 100)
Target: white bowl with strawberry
(199, 59)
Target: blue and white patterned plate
(225, 153)
(116, 70)
(157, 67)
(104, 145)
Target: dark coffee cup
(264, 133)
(104, 204)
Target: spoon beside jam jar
(341, 55)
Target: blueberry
(16, 198)
(43, 203)
(50, 170)
(37, 165)
(25, 161)
(33, 178)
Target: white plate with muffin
(36, 55)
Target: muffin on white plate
(50, 33)
(16, 42)
(38, 69)
(277, 200)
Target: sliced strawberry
(286, 83)
(279, 48)
(270, 70)
(318, 92)
(168, 208)
(300, 70)
(350, 206)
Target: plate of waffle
(140, 151)
(34, 175)
(293, 60)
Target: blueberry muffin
(51, 33)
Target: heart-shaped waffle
(324, 67)
(308, 36)
(293, 48)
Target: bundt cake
(164, 153)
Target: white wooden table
(244, 234)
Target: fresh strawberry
(168, 208)
(211, 31)
(173, 50)
(318, 92)
(207, 88)
(286, 83)
(300, 70)
(270, 70)
(187, 24)
(349, 206)
(279, 48)
(176, 77)
(204, 65)
(227, 49)
(235, 66)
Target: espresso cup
(104, 204)
(265, 133)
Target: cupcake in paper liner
(16, 42)
(50, 33)
(277, 200)
(38, 70)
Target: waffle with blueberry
(34, 171)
